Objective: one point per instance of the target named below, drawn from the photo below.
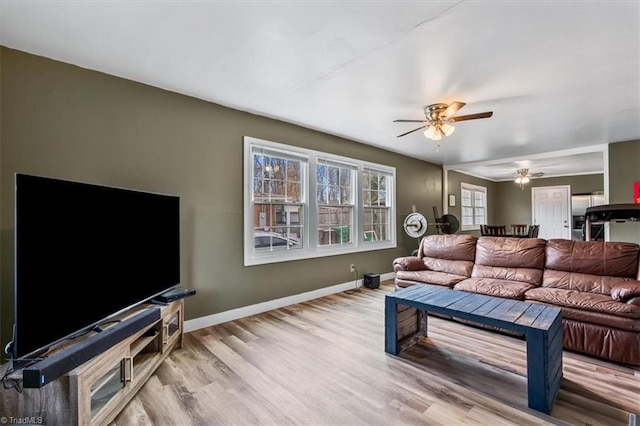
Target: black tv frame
(168, 276)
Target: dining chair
(496, 230)
(533, 231)
(519, 229)
(483, 230)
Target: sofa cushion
(614, 259)
(510, 252)
(525, 275)
(455, 267)
(495, 287)
(583, 282)
(428, 277)
(608, 320)
(582, 300)
(449, 246)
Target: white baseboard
(245, 311)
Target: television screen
(85, 252)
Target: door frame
(533, 204)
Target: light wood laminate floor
(323, 363)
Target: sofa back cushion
(513, 259)
(615, 259)
(590, 266)
(453, 254)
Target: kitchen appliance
(579, 205)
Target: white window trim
(311, 247)
(472, 187)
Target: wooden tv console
(95, 392)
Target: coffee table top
(512, 314)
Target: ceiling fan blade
(411, 131)
(452, 109)
(409, 121)
(472, 116)
(539, 174)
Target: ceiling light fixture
(439, 119)
(522, 178)
(437, 129)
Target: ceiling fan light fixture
(433, 133)
(447, 129)
(440, 119)
(522, 177)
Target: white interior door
(551, 211)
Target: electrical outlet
(352, 268)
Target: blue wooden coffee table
(540, 324)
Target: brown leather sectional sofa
(597, 284)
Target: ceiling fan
(523, 175)
(439, 120)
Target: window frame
(473, 188)
(310, 207)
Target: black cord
(357, 287)
(8, 382)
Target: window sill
(251, 259)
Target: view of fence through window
(376, 205)
(278, 194)
(336, 200)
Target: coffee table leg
(391, 326)
(544, 366)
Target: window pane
(293, 192)
(333, 195)
(466, 197)
(333, 176)
(277, 168)
(467, 216)
(365, 180)
(277, 190)
(293, 171)
(345, 177)
(376, 224)
(277, 227)
(334, 225)
(345, 195)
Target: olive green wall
(66, 122)
(453, 188)
(624, 170)
(513, 205)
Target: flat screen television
(84, 253)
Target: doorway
(551, 210)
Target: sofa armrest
(625, 292)
(409, 263)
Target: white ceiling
(557, 75)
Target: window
(377, 205)
(301, 203)
(278, 200)
(336, 201)
(474, 206)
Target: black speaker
(49, 369)
(372, 280)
